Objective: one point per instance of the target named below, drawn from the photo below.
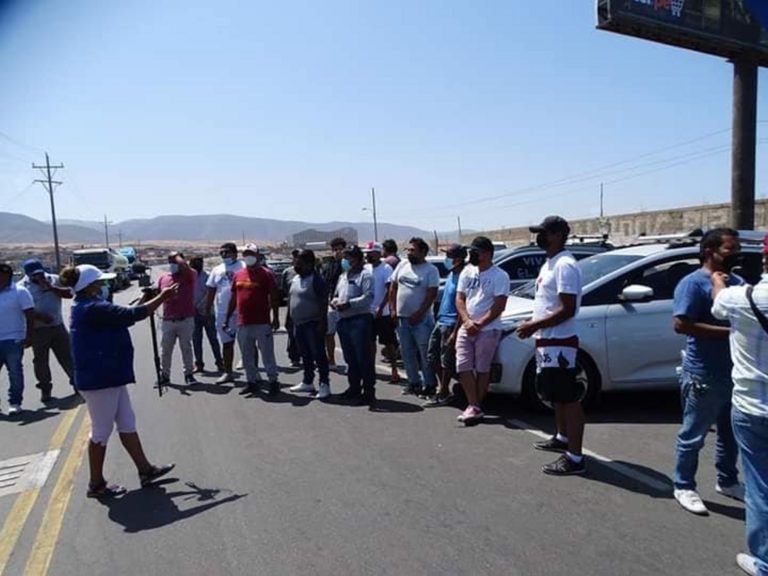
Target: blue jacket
(101, 344)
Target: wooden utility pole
(48, 184)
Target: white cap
(90, 274)
(251, 248)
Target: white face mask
(250, 260)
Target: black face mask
(732, 261)
(413, 259)
(302, 270)
(474, 258)
(541, 241)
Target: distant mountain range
(17, 228)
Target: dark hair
(307, 256)
(295, 252)
(420, 244)
(713, 239)
(228, 247)
(69, 277)
(338, 241)
(353, 251)
(390, 246)
(482, 243)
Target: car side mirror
(636, 293)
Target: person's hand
(341, 306)
(720, 279)
(526, 329)
(169, 292)
(470, 327)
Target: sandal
(155, 472)
(105, 490)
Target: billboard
(727, 28)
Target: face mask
(104, 295)
(731, 261)
(345, 265)
(541, 241)
(250, 260)
(228, 260)
(174, 268)
(448, 263)
(413, 259)
(474, 258)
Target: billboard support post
(744, 142)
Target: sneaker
(296, 364)
(564, 466)
(273, 389)
(350, 394)
(251, 388)
(46, 396)
(365, 399)
(735, 491)
(747, 563)
(470, 415)
(691, 501)
(14, 409)
(427, 393)
(189, 379)
(409, 390)
(239, 365)
(155, 472)
(226, 377)
(324, 392)
(438, 400)
(220, 366)
(164, 379)
(303, 387)
(551, 445)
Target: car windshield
(592, 268)
(98, 259)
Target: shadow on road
(658, 485)
(155, 506)
(189, 389)
(387, 405)
(733, 512)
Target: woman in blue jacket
(103, 355)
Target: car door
(524, 267)
(642, 348)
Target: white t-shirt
(749, 346)
(558, 275)
(481, 289)
(381, 276)
(221, 279)
(413, 283)
(14, 300)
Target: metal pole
(744, 139)
(458, 222)
(53, 214)
(375, 222)
(106, 230)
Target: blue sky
(293, 110)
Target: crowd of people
(369, 297)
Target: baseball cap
(765, 244)
(373, 247)
(482, 243)
(353, 251)
(456, 251)
(33, 266)
(6, 268)
(551, 224)
(90, 274)
(252, 248)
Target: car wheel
(587, 376)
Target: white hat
(90, 274)
(251, 248)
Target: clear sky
(293, 110)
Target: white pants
(107, 407)
(183, 331)
(247, 338)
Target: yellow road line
(22, 507)
(45, 543)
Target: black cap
(456, 251)
(353, 251)
(551, 224)
(482, 243)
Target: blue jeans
(752, 435)
(706, 401)
(11, 353)
(311, 344)
(208, 324)
(414, 349)
(355, 334)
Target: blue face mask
(227, 261)
(174, 268)
(104, 295)
(448, 263)
(345, 265)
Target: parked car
(278, 267)
(624, 325)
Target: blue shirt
(447, 315)
(693, 300)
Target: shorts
(556, 374)
(383, 330)
(476, 352)
(333, 318)
(107, 407)
(439, 351)
(225, 338)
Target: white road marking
(618, 467)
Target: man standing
(285, 286)
(481, 296)
(746, 309)
(178, 317)
(204, 321)
(389, 253)
(331, 272)
(308, 303)
(352, 300)
(706, 384)
(48, 332)
(254, 294)
(17, 309)
(381, 274)
(220, 290)
(557, 301)
(442, 342)
(411, 295)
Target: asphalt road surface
(297, 486)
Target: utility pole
(106, 230)
(458, 223)
(601, 201)
(120, 238)
(743, 149)
(375, 222)
(48, 184)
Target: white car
(624, 325)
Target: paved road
(293, 486)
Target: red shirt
(183, 305)
(252, 287)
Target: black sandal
(155, 472)
(105, 490)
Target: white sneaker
(324, 391)
(691, 501)
(303, 387)
(14, 409)
(735, 491)
(226, 377)
(239, 365)
(747, 563)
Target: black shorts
(383, 331)
(559, 385)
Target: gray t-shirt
(307, 298)
(46, 301)
(355, 289)
(412, 285)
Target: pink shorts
(107, 407)
(476, 352)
